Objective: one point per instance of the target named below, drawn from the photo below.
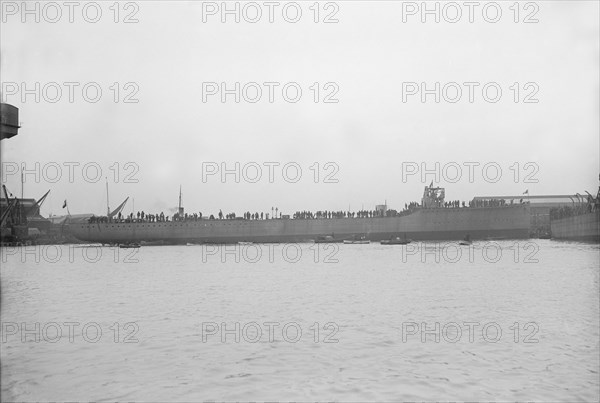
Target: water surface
(161, 312)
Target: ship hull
(585, 227)
(510, 222)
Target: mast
(107, 204)
(180, 209)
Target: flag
(431, 184)
(526, 192)
(64, 204)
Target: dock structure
(13, 223)
(9, 121)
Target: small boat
(152, 243)
(357, 240)
(245, 243)
(326, 239)
(396, 241)
(129, 245)
(466, 242)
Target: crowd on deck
(341, 214)
(490, 202)
(141, 216)
(570, 211)
(305, 214)
(591, 204)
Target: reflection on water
(495, 321)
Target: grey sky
(368, 134)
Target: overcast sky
(369, 135)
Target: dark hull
(425, 224)
(585, 227)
